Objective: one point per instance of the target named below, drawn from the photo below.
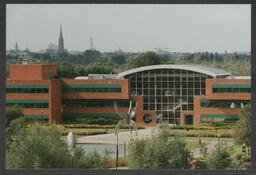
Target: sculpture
(127, 118)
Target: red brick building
(177, 94)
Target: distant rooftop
(214, 72)
(238, 77)
(102, 76)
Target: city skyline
(182, 28)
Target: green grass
(234, 150)
(82, 129)
(110, 131)
(192, 145)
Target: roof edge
(194, 68)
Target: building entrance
(189, 119)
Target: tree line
(94, 62)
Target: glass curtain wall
(167, 91)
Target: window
(27, 90)
(228, 104)
(92, 90)
(147, 118)
(51, 75)
(84, 103)
(29, 105)
(231, 88)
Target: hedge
(209, 133)
(85, 133)
(192, 127)
(98, 126)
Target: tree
(12, 113)
(14, 123)
(38, 148)
(144, 59)
(220, 159)
(65, 69)
(100, 68)
(42, 147)
(80, 70)
(243, 127)
(118, 59)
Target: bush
(246, 165)
(193, 127)
(159, 153)
(122, 163)
(97, 121)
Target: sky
(136, 28)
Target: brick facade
(198, 110)
(21, 75)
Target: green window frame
(27, 89)
(29, 104)
(51, 75)
(90, 88)
(89, 103)
(36, 116)
(231, 88)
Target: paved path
(122, 137)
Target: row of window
(167, 107)
(91, 90)
(231, 90)
(231, 104)
(168, 85)
(170, 92)
(82, 103)
(159, 92)
(168, 78)
(159, 99)
(27, 90)
(29, 105)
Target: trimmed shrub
(208, 133)
(193, 127)
(98, 126)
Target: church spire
(61, 32)
(61, 42)
(16, 47)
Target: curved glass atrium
(167, 91)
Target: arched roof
(195, 68)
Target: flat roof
(214, 72)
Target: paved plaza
(122, 137)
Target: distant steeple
(16, 47)
(61, 42)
